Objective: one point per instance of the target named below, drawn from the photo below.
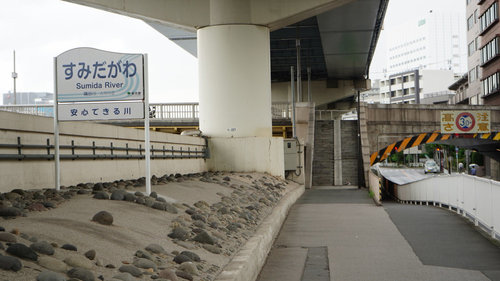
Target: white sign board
(87, 74)
(465, 122)
(101, 111)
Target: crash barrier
(89, 152)
(470, 196)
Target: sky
(39, 30)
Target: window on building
(470, 22)
(489, 51)
(405, 78)
(473, 75)
(488, 17)
(393, 94)
(406, 92)
(475, 16)
(471, 48)
(490, 84)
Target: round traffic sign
(465, 121)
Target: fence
(472, 197)
(171, 111)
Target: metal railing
(169, 111)
(473, 197)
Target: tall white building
(436, 41)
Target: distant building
(28, 98)
(423, 86)
(436, 41)
(372, 95)
(489, 32)
(461, 89)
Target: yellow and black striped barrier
(424, 138)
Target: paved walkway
(339, 234)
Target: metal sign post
(146, 127)
(57, 167)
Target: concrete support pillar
(337, 152)
(234, 81)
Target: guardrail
(473, 197)
(171, 111)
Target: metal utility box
(291, 154)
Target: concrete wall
(374, 184)
(321, 94)
(253, 154)
(36, 130)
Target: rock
(69, 247)
(98, 187)
(49, 204)
(42, 247)
(82, 274)
(90, 254)
(190, 268)
(36, 207)
(204, 238)
(22, 251)
(170, 208)
(168, 274)
(8, 237)
(52, 264)
(79, 261)
(226, 179)
(101, 195)
(2, 228)
(10, 263)
(180, 258)
(139, 194)
(191, 255)
(50, 276)
(103, 217)
(153, 194)
(179, 233)
(118, 194)
(184, 275)
(161, 199)
(198, 217)
(144, 263)
(144, 255)
(159, 206)
(155, 248)
(124, 276)
(140, 200)
(131, 269)
(212, 249)
(10, 212)
(129, 197)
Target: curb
(247, 263)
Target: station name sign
(87, 74)
(90, 75)
(466, 122)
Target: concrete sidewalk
(339, 234)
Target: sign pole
(146, 127)
(57, 167)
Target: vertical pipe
(309, 94)
(14, 76)
(146, 126)
(57, 180)
(360, 155)
(299, 74)
(292, 82)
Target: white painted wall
(30, 174)
(254, 154)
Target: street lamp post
(14, 77)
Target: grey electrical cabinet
(291, 154)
